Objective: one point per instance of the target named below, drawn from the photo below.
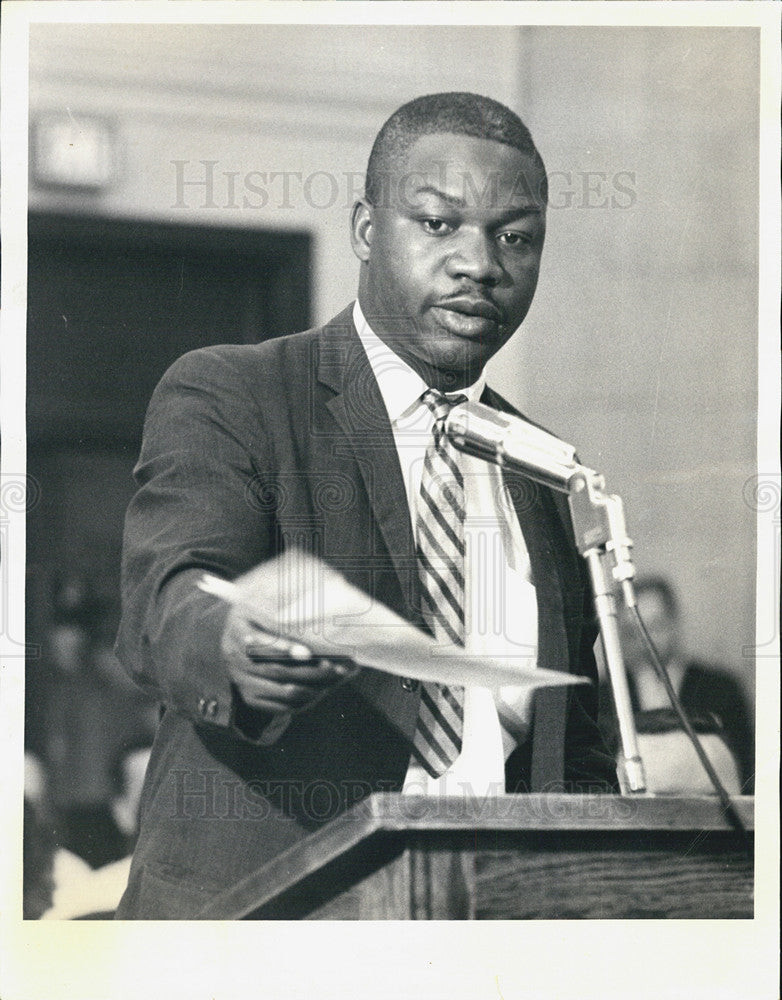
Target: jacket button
(207, 707)
(408, 684)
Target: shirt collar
(400, 386)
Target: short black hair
(452, 113)
(663, 587)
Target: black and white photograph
(390, 499)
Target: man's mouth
(468, 305)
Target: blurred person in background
(38, 842)
(92, 716)
(58, 884)
(710, 694)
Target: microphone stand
(601, 537)
(599, 526)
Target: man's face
(451, 255)
(660, 626)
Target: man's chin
(455, 366)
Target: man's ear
(361, 222)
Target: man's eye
(437, 227)
(513, 239)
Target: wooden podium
(398, 857)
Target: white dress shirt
(500, 604)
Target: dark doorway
(111, 304)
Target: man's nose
(475, 257)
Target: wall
(641, 344)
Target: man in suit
(314, 441)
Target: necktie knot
(440, 406)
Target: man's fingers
(265, 644)
(278, 674)
(319, 673)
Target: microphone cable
(727, 804)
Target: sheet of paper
(299, 596)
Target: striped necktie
(440, 547)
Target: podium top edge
(386, 811)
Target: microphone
(515, 444)
(598, 524)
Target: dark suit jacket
(248, 449)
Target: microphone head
(477, 430)
(511, 442)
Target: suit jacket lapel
(535, 510)
(360, 412)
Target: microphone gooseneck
(513, 443)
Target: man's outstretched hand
(273, 673)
